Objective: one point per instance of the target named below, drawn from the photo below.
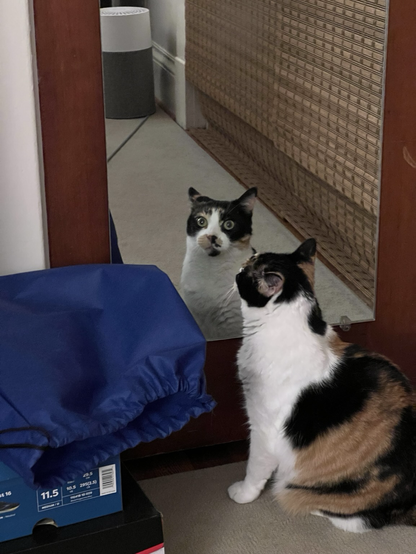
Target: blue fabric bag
(93, 360)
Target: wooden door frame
(73, 132)
(394, 330)
(68, 52)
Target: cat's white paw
(317, 513)
(242, 493)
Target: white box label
(108, 482)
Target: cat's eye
(229, 224)
(202, 222)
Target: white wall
(168, 35)
(22, 234)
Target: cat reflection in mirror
(217, 243)
(333, 424)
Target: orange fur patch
(350, 452)
(337, 345)
(243, 243)
(304, 502)
(248, 261)
(204, 241)
(309, 270)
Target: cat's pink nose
(212, 238)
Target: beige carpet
(118, 132)
(199, 518)
(148, 180)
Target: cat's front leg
(261, 465)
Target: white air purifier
(127, 62)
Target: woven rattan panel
(328, 91)
(295, 88)
(311, 206)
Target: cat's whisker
(229, 294)
(233, 290)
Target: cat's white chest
(207, 286)
(278, 359)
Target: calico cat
(334, 423)
(218, 242)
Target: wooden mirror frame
(74, 150)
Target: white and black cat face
(217, 225)
(283, 276)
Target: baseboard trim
(173, 92)
(164, 58)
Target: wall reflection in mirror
(175, 206)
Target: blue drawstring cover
(93, 360)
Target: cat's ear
(306, 251)
(305, 258)
(272, 284)
(248, 199)
(193, 194)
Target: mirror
(180, 203)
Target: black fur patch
(401, 458)
(331, 403)
(248, 291)
(315, 321)
(392, 512)
(353, 349)
(348, 486)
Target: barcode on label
(108, 483)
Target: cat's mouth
(214, 252)
(211, 244)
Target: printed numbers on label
(4, 494)
(88, 483)
(49, 494)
